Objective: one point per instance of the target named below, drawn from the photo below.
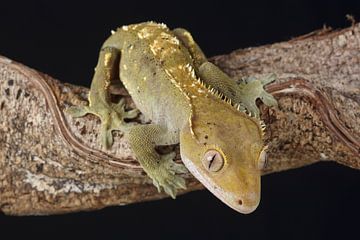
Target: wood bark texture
(51, 163)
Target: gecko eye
(213, 161)
(262, 162)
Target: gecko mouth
(243, 204)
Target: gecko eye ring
(213, 161)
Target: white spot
(170, 38)
(144, 33)
(79, 172)
(163, 25)
(6, 60)
(323, 156)
(112, 32)
(154, 47)
(48, 161)
(342, 41)
(152, 50)
(125, 28)
(125, 67)
(152, 23)
(43, 183)
(168, 73)
(65, 90)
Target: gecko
(190, 101)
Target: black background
(62, 39)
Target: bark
(51, 163)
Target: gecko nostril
(240, 202)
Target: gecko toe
(77, 111)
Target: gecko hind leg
(251, 88)
(244, 93)
(112, 115)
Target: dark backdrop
(62, 39)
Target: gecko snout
(247, 204)
(244, 206)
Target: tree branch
(51, 163)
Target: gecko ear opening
(263, 159)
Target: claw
(180, 183)
(170, 191)
(106, 137)
(120, 106)
(168, 158)
(253, 88)
(253, 109)
(166, 177)
(77, 111)
(268, 79)
(157, 185)
(121, 102)
(120, 109)
(179, 168)
(268, 99)
(132, 113)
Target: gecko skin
(189, 101)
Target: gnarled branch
(51, 163)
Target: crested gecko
(189, 101)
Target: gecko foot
(165, 175)
(253, 88)
(119, 108)
(112, 118)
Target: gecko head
(225, 152)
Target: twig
(51, 163)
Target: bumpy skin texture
(188, 100)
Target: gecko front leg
(160, 168)
(112, 115)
